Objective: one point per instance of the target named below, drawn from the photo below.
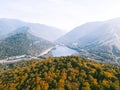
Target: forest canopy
(60, 73)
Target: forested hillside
(63, 73)
(21, 42)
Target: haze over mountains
(40, 30)
(96, 40)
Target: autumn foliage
(63, 73)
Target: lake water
(63, 51)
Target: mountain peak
(44, 31)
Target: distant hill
(96, 40)
(63, 73)
(39, 30)
(22, 42)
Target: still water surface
(63, 51)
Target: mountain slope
(40, 30)
(79, 32)
(96, 40)
(22, 42)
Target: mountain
(62, 73)
(96, 40)
(40, 30)
(22, 42)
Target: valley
(57, 51)
(98, 41)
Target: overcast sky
(64, 14)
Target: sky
(63, 14)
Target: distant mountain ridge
(39, 30)
(96, 40)
(21, 42)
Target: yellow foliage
(108, 74)
(62, 73)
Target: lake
(62, 51)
